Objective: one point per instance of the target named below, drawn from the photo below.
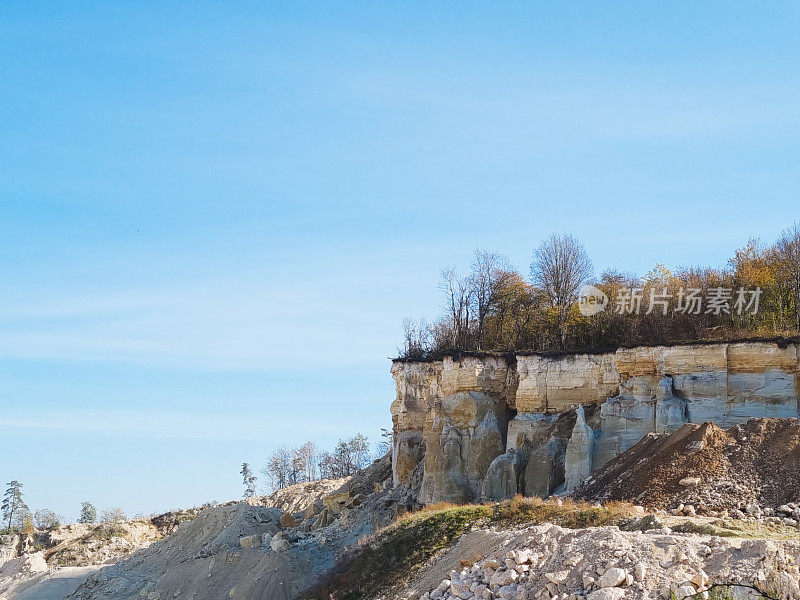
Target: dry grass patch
(566, 513)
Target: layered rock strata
(491, 426)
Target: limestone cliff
(490, 426)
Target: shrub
(46, 519)
(113, 515)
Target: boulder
(250, 541)
(611, 593)
(288, 520)
(338, 497)
(612, 578)
(279, 542)
(503, 577)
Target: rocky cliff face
(492, 426)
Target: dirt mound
(78, 545)
(753, 464)
(298, 497)
(252, 549)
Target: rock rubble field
(603, 563)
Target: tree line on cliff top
(494, 307)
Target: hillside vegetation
(495, 307)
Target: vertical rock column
(417, 385)
(578, 460)
(462, 439)
(502, 478)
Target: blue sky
(213, 216)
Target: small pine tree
(88, 513)
(248, 480)
(13, 503)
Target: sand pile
(753, 468)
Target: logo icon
(591, 300)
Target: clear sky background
(213, 216)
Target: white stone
(503, 578)
(279, 543)
(613, 593)
(508, 591)
(558, 577)
(250, 541)
(459, 588)
(685, 591)
(700, 579)
(522, 556)
(612, 578)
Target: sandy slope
(53, 585)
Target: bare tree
(489, 273)
(458, 298)
(45, 518)
(113, 515)
(560, 265)
(279, 468)
(306, 456)
(358, 447)
(787, 249)
(347, 458)
(327, 468)
(416, 338)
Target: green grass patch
(397, 551)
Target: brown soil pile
(757, 462)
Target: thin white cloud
(159, 424)
(242, 321)
(665, 107)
